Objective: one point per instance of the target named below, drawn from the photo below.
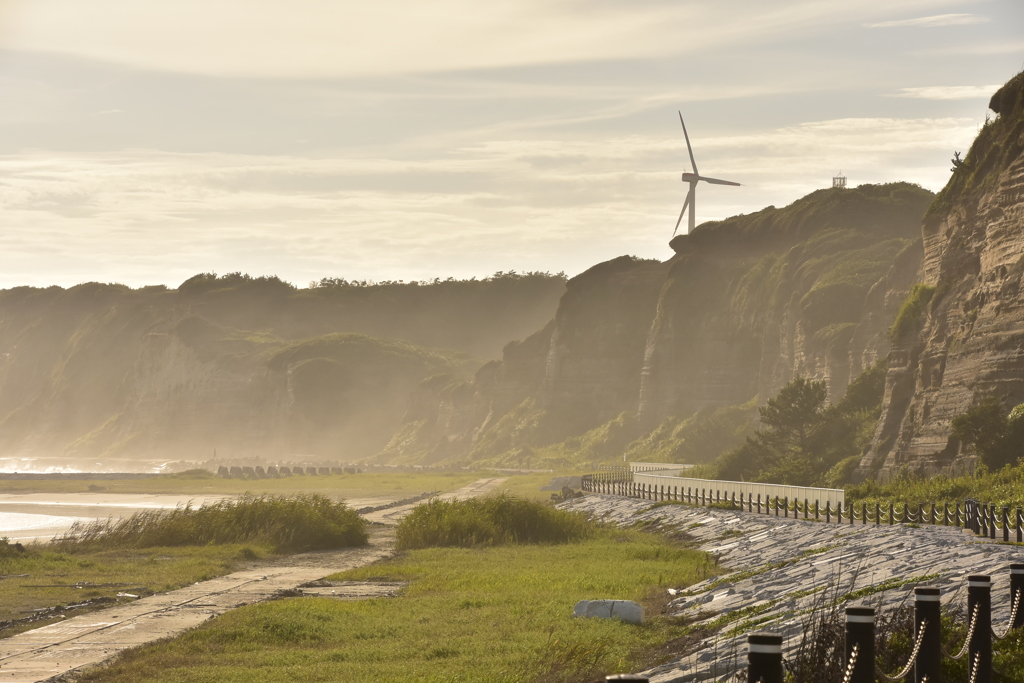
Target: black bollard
(992, 520)
(1017, 594)
(928, 627)
(1006, 524)
(764, 657)
(979, 652)
(860, 633)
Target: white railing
(662, 468)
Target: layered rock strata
(967, 343)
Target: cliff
(961, 337)
(104, 376)
(638, 347)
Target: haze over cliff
(637, 359)
(104, 376)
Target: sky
(145, 141)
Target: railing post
(636, 678)
(1006, 524)
(979, 595)
(764, 657)
(759, 503)
(806, 508)
(1017, 593)
(928, 627)
(945, 514)
(933, 515)
(817, 509)
(828, 512)
(776, 506)
(1020, 525)
(878, 513)
(785, 505)
(920, 513)
(992, 520)
(860, 634)
(892, 513)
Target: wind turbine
(693, 179)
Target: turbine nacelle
(693, 179)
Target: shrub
(285, 523)
(495, 520)
(908, 320)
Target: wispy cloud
(949, 92)
(934, 20)
(554, 204)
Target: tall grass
(1002, 487)
(284, 523)
(490, 521)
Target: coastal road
(44, 653)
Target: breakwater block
(624, 610)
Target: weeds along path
(778, 572)
(59, 649)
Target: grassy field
(40, 578)
(366, 484)
(363, 485)
(481, 614)
(160, 550)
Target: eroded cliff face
(967, 343)
(103, 376)
(744, 306)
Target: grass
(286, 524)
(364, 485)
(1003, 487)
(493, 520)
(520, 596)
(64, 578)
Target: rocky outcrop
(744, 306)
(967, 342)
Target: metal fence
(765, 663)
(984, 519)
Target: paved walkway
(783, 569)
(87, 640)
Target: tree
(997, 438)
(794, 412)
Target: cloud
(949, 92)
(933, 21)
(145, 217)
(344, 38)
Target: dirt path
(90, 639)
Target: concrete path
(90, 639)
(785, 569)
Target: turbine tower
(693, 179)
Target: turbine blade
(716, 181)
(688, 148)
(683, 211)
